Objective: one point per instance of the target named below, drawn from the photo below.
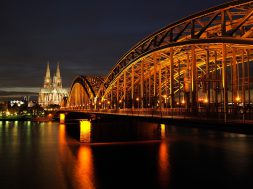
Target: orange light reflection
(163, 131)
(62, 137)
(84, 171)
(164, 165)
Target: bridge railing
(202, 113)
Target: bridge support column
(132, 87)
(117, 95)
(160, 85)
(142, 80)
(243, 83)
(194, 80)
(62, 118)
(171, 78)
(248, 75)
(124, 90)
(216, 86)
(234, 78)
(208, 79)
(155, 87)
(224, 82)
(149, 90)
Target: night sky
(86, 37)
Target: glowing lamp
(238, 99)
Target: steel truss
(202, 63)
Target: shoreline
(234, 127)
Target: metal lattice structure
(200, 63)
(83, 91)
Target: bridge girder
(202, 61)
(83, 91)
(182, 56)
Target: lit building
(52, 92)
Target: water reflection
(84, 168)
(44, 155)
(164, 164)
(163, 131)
(163, 160)
(76, 159)
(62, 134)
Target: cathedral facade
(52, 92)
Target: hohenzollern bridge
(200, 66)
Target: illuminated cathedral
(52, 92)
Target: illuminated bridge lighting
(206, 56)
(85, 131)
(62, 118)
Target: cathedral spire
(58, 74)
(57, 78)
(47, 80)
(48, 71)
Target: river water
(146, 155)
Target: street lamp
(238, 99)
(120, 101)
(165, 100)
(205, 101)
(108, 102)
(137, 99)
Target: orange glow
(62, 138)
(205, 101)
(200, 99)
(238, 99)
(137, 99)
(164, 165)
(84, 171)
(183, 102)
(62, 118)
(85, 131)
(163, 131)
(49, 116)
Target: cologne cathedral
(52, 92)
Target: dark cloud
(86, 37)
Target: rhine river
(149, 155)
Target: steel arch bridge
(83, 92)
(200, 63)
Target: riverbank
(15, 118)
(26, 118)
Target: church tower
(57, 81)
(52, 93)
(58, 77)
(47, 79)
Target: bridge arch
(83, 92)
(203, 60)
